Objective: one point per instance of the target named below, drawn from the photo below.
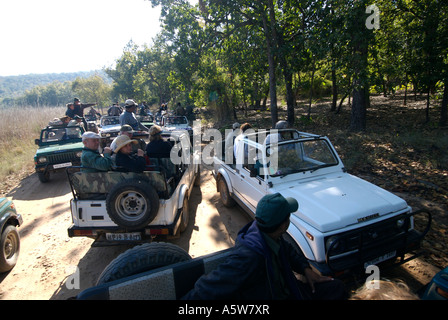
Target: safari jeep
(134, 207)
(60, 146)
(343, 222)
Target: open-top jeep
(120, 206)
(343, 222)
(60, 146)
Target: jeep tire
(224, 193)
(44, 176)
(142, 258)
(10, 248)
(132, 204)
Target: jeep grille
(62, 157)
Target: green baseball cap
(274, 209)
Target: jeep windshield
(176, 120)
(55, 135)
(298, 156)
(110, 121)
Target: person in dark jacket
(157, 147)
(125, 159)
(262, 263)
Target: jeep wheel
(10, 248)
(132, 204)
(142, 258)
(185, 216)
(44, 176)
(197, 180)
(224, 193)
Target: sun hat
(90, 135)
(121, 141)
(273, 209)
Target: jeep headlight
(329, 243)
(79, 154)
(42, 159)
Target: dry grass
(18, 129)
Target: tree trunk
(334, 90)
(358, 116)
(272, 77)
(444, 108)
(428, 95)
(311, 90)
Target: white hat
(90, 135)
(129, 103)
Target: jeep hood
(176, 127)
(337, 201)
(59, 148)
(112, 128)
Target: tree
(92, 90)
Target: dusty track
(49, 258)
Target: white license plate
(62, 165)
(128, 236)
(380, 259)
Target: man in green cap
(261, 264)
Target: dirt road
(49, 259)
(50, 263)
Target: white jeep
(118, 206)
(343, 222)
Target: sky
(58, 36)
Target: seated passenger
(128, 131)
(126, 160)
(157, 147)
(91, 159)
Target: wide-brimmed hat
(121, 141)
(273, 209)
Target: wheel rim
(131, 206)
(10, 247)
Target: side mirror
(36, 141)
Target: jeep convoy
(343, 222)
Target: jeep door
(250, 188)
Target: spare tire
(132, 204)
(142, 258)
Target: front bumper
(365, 249)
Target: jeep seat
(166, 283)
(88, 184)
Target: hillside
(14, 86)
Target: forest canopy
(230, 54)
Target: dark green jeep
(9, 236)
(60, 146)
